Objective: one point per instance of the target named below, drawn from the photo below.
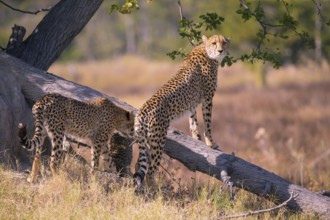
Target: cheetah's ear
(204, 38)
(227, 39)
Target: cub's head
(125, 123)
(216, 46)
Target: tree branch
(319, 8)
(180, 10)
(292, 195)
(289, 14)
(23, 11)
(183, 18)
(262, 24)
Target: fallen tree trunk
(229, 168)
(33, 83)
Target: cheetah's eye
(214, 43)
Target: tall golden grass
(72, 195)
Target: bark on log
(32, 83)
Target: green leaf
(245, 13)
(259, 13)
(307, 39)
(126, 8)
(328, 23)
(211, 20)
(288, 21)
(227, 60)
(261, 35)
(181, 52)
(196, 35)
(283, 36)
(114, 8)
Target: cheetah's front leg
(141, 165)
(193, 125)
(106, 155)
(56, 137)
(207, 115)
(96, 151)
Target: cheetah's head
(216, 46)
(126, 123)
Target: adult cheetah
(194, 83)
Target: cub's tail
(37, 139)
(22, 134)
(39, 131)
(141, 137)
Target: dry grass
(66, 196)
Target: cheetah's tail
(34, 142)
(26, 144)
(38, 110)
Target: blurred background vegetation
(152, 31)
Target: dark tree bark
(34, 83)
(16, 39)
(55, 32)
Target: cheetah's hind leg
(22, 134)
(56, 137)
(141, 166)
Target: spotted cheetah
(59, 116)
(194, 83)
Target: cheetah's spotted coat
(56, 115)
(194, 83)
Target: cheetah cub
(56, 115)
(194, 83)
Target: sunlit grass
(62, 197)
